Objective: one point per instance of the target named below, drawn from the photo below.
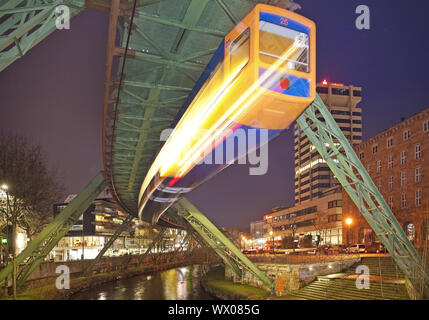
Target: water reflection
(174, 284)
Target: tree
(288, 242)
(32, 187)
(306, 242)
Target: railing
(300, 258)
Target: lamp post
(5, 188)
(272, 241)
(243, 240)
(349, 221)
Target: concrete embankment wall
(290, 277)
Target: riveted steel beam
(218, 241)
(27, 23)
(125, 224)
(325, 135)
(187, 24)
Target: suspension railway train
(261, 77)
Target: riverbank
(77, 284)
(215, 284)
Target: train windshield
(279, 42)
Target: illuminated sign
(3, 241)
(268, 217)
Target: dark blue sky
(54, 95)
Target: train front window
(240, 52)
(282, 43)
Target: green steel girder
(186, 24)
(172, 38)
(230, 254)
(27, 23)
(180, 249)
(325, 135)
(36, 251)
(125, 224)
(157, 238)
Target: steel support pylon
(157, 238)
(127, 221)
(229, 253)
(325, 135)
(36, 251)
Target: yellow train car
(263, 76)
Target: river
(174, 284)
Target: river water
(174, 284)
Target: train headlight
(284, 83)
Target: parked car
(356, 248)
(250, 251)
(377, 247)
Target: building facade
(397, 160)
(93, 229)
(321, 218)
(312, 174)
(318, 194)
(257, 231)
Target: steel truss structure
(36, 251)
(229, 253)
(125, 224)
(325, 135)
(157, 239)
(25, 23)
(163, 48)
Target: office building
(397, 160)
(312, 174)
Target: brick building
(397, 160)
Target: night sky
(54, 95)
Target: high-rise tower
(312, 174)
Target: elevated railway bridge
(157, 51)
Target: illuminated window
(417, 175)
(407, 134)
(418, 198)
(403, 157)
(390, 162)
(240, 52)
(410, 230)
(417, 152)
(279, 42)
(403, 200)
(403, 179)
(426, 126)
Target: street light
(349, 221)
